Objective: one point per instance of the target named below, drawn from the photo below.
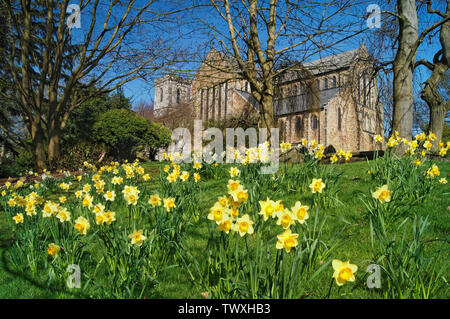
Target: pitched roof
(332, 62)
(249, 98)
(300, 103)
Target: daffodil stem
(329, 290)
(246, 244)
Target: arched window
(282, 129)
(364, 89)
(298, 125)
(286, 130)
(334, 81)
(315, 122)
(178, 96)
(359, 90)
(326, 83)
(339, 119)
(246, 86)
(160, 94)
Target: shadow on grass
(48, 291)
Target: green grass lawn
(345, 223)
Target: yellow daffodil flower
(317, 185)
(137, 237)
(287, 240)
(243, 225)
(343, 271)
(383, 194)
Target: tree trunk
(267, 119)
(2, 149)
(437, 106)
(37, 137)
(403, 71)
(437, 120)
(54, 145)
(430, 94)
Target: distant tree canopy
(80, 125)
(88, 138)
(125, 133)
(48, 69)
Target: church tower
(170, 91)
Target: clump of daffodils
(378, 138)
(105, 217)
(433, 171)
(312, 148)
(285, 218)
(341, 154)
(131, 195)
(64, 186)
(422, 143)
(317, 151)
(225, 211)
(285, 147)
(245, 156)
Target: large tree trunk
(438, 107)
(403, 70)
(54, 146)
(437, 120)
(2, 148)
(267, 119)
(37, 137)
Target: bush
(17, 165)
(124, 133)
(10, 168)
(73, 157)
(25, 159)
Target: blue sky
(143, 90)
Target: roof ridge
(328, 57)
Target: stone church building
(333, 100)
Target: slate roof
(249, 98)
(292, 104)
(299, 103)
(332, 62)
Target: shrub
(10, 168)
(17, 165)
(73, 157)
(124, 133)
